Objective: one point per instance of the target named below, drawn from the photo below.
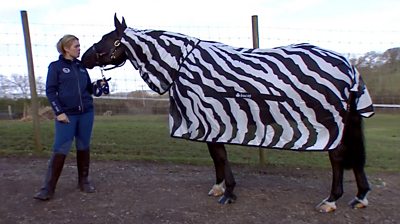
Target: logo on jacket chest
(66, 70)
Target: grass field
(146, 137)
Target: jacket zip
(79, 89)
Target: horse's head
(109, 50)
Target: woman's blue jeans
(79, 128)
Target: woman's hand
(62, 118)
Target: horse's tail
(353, 137)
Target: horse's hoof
(357, 203)
(326, 206)
(217, 190)
(226, 199)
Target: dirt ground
(145, 192)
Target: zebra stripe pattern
(293, 97)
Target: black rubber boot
(83, 161)
(56, 165)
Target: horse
(299, 97)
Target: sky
(368, 20)
(345, 26)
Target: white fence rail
(387, 105)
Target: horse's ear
(116, 21)
(118, 26)
(123, 23)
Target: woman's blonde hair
(65, 41)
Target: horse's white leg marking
(357, 203)
(217, 189)
(326, 206)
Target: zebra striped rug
(293, 97)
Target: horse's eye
(117, 43)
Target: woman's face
(73, 51)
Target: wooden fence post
(32, 82)
(256, 44)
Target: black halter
(117, 43)
(101, 86)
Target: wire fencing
(126, 82)
(352, 43)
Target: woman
(69, 91)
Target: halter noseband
(117, 43)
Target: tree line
(382, 82)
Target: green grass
(382, 134)
(146, 137)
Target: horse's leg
(356, 159)
(218, 188)
(220, 158)
(336, 159)
(350, 155)
(360, 201)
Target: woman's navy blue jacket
(68, 87)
